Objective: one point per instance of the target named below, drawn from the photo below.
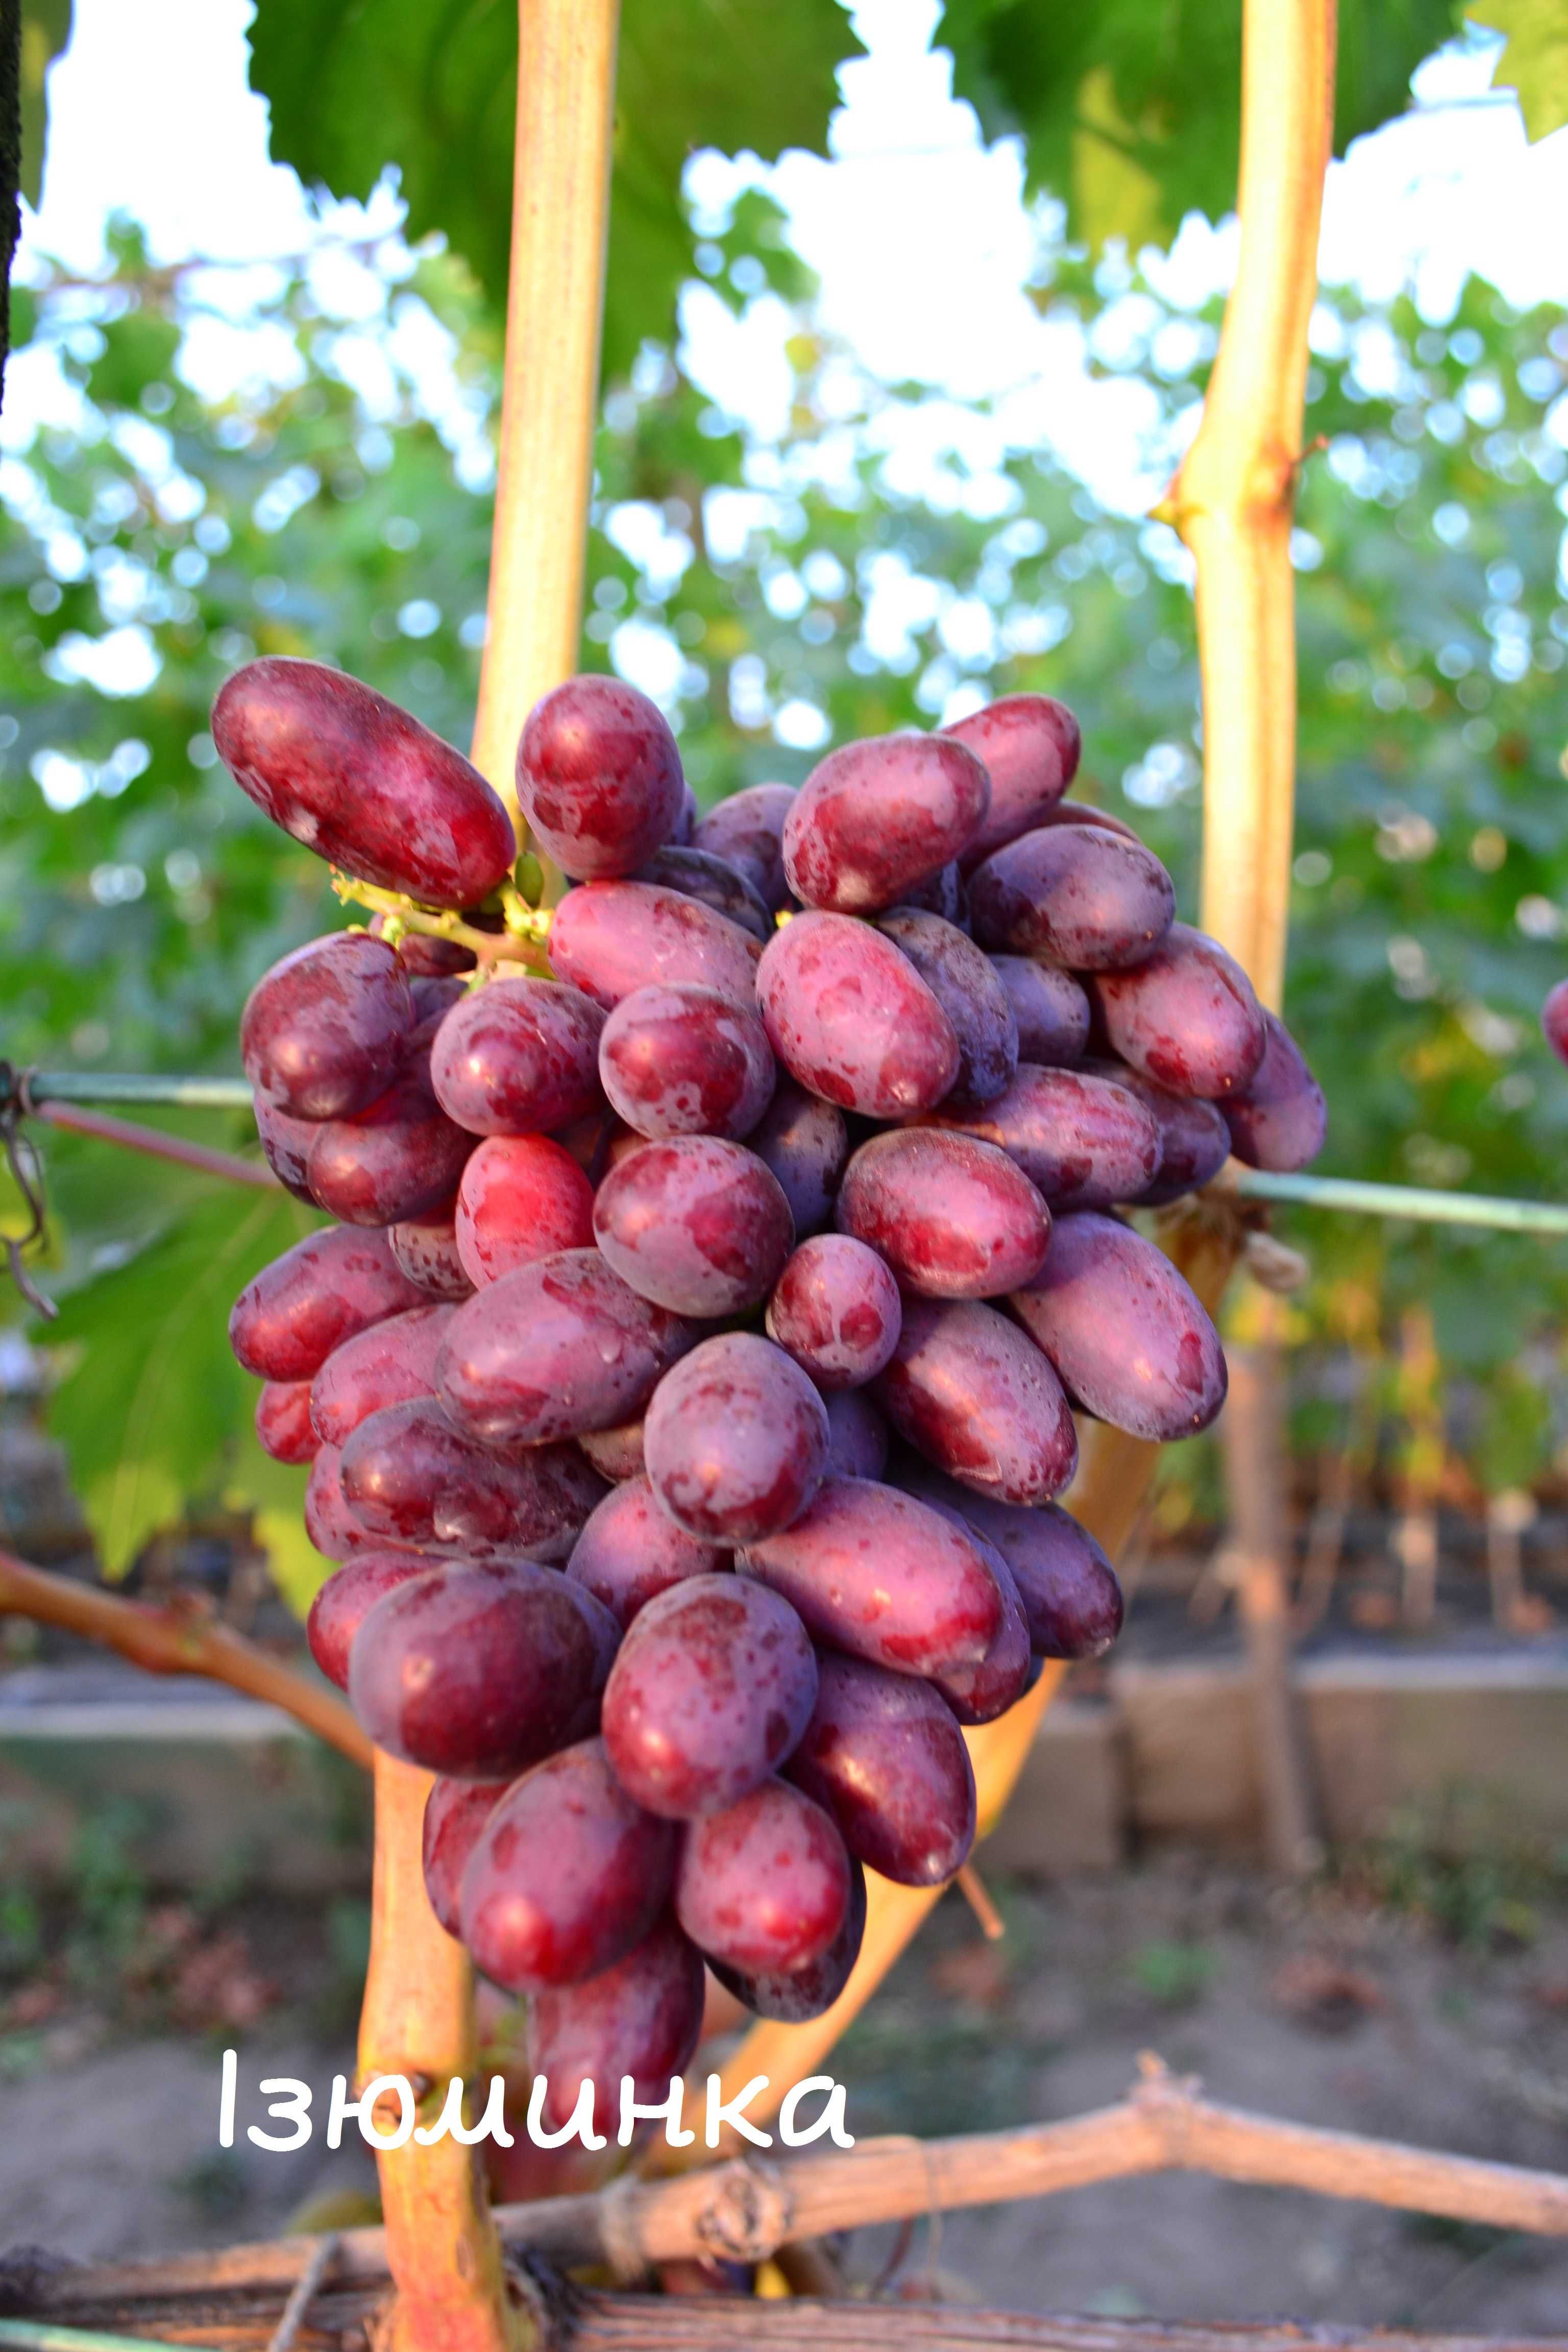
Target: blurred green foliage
(885, 559)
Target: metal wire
(121, 1086)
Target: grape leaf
(410, 82)
(1534, 59)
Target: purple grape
(1195, 1143)
(397, 1160)
(455, 1812)
(391, 1363)
(475, 1669)
(1030, 745)
(1129, 1339)
(942, 893)
(361, 782)
(323, 1032)
(695, 1223)
(1187, 1017)
(686, 820)
(964, 983)
(522, 1198)
(872, 1572)
(426, 1249)
(974, 1394)
(699, 874)
(637, 2022)
(286, 1143)
(283, 1421)
(1082, 1141)
(1068, 1588)
(1049, 1006)
(616, 1453)
(980, 1694)
(566, 1876)
(764, 1886)
(836, 1310)
(631, 1549)
(875, 817)
(598, 777)
(343, 1603)
(432, 995)
(410, 1477)
(806, 1143)
(556, 1349)
(850, 1018)
(287, 1321)
(735, 1440)
(856, 1435)
(953, 1216)
(518, 1058)
(747, 832)
(329, 1524)
(686, 1061)
(424, 955)
(883, 1755)
(610, 938)
(1085, 812)
(1074, 895)
(1279, 1119)
(793, 1995)
(713, 1687)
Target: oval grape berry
(954, 1216)
(735, 1440)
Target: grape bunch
(690, 1371)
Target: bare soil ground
(1409, 1999)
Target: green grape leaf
(148, 1409)
(1534, 61)
(414, 84)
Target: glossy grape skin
(424, 955)
(518, 1058)
(980, 1694)
(805, 1142)
(323, 1032)
(410, 1477)
(1195, 1143)
(714, 1683)
(1030, 745)
(1084, 813)
(1187, 1017)
(1070, 1590)
(1130, 1340)
(699, 874)
(616, 1453)
(566, 1876)
(695, 1223)
(361, 782)
(557, 1349)
(856, 1435)
(1082, 1141)
(884, 1757)
(343, 1603)
(426, 1249)
(288, 1318)
(793, 1995)
(686, 1061)
(735, 1440)
(286, 1144)
(954, 1216)
(835, 1309)
(283, 1421)
(394, 1161)
(391, 1363)
(522, 1198)
(631, 1549)
(1279, 1119)
(1075, 894)
(598, 777)
(875, 817)
(747, 832)
(477, 1669)
(610, 938)
(942, 893)
(637, 2021)
(764, 1886)
(331, 1526)
(871, 1571)
(455, 1812)
(965, 985)
(1049, 1007)
(851, 1019)
(974, 1394)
